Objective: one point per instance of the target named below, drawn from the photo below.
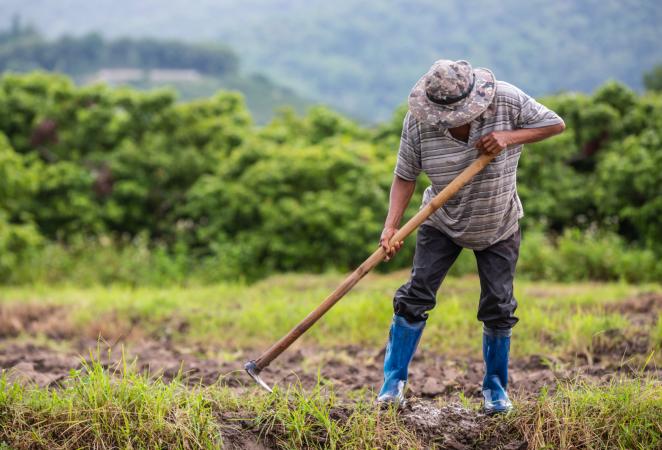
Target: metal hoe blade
(254, 372)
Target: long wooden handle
(442, 197)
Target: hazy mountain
(363, 57)
(194, 70)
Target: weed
(119, 408)
(97, 408)
(625, 414)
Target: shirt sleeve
(408, 165)
(533, 114)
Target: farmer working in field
(454, 113)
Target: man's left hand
(494, 142)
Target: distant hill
(193, 69)
(363, 57)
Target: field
(162, 367)
(151, 245)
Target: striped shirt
(487, 209)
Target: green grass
(625, 414)
(555, 319)
(118, 408)
(656, 334)
(299, 419)
(98, 409)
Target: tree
(653, 79)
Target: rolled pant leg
(434, 256)
(496, 269)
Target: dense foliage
(199, 184)
(653, 78)
(363, 57)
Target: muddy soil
(347, 368)
(436, 381)
(433, 410)
(441, 424)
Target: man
(455, 112)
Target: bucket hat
(452, 93)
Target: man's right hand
(387, 234)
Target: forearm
(529, 135)
(494, 142)
(401, 193)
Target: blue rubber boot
(496, 346)
(402, 341)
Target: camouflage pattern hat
(451, 93)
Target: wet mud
(437, 382)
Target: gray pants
(436, 253)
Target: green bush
(550, 189)
(194, 189)
(103, 260)
(18, 245)
(18, 180)
(312, 207)
(586, 255)
(630, 187)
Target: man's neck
(460, 133)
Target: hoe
(255, 366)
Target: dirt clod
(34, 319)
(453, 426)
(642, 309)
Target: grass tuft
(98, 408)
(116, 407)
(625, 414)
(299, 419)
